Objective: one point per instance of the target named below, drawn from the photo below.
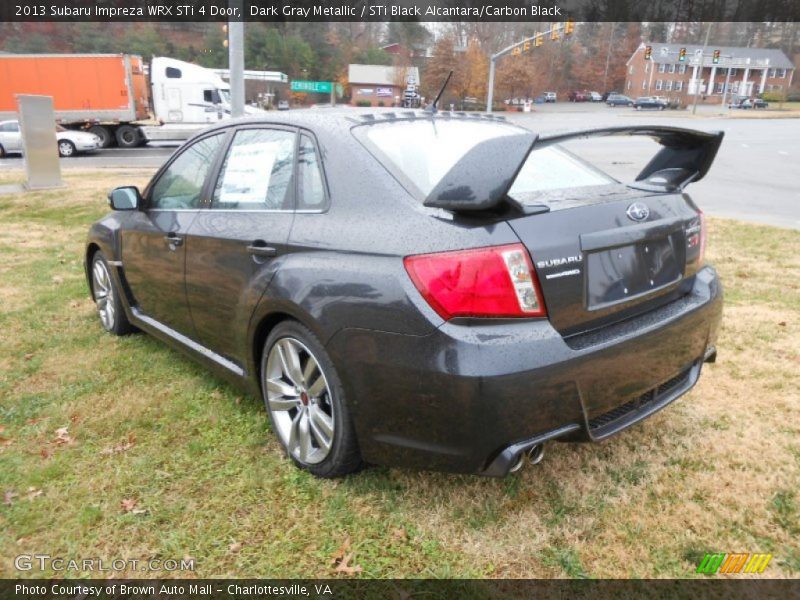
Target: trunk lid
(597, 265)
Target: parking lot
(754, 178)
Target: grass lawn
(121, 448)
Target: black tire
(118, 323)
(128, 137)
(2, 151)
(343, 456)
(104, 133)
(66, 149)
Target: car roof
(336, 119)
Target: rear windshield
(421, 152)
(553, 168)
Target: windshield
(421, 152)
(225, 95)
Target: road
(146, 157)
(756, 176)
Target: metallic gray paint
(423, 392)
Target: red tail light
(701, 257)
(697, 237)
(486, 282)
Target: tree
(410, 34)
(442, 61)
(373, 56)
(472, 71)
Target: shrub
(363, 103)
(380, 103)
(772, 96)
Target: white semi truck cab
(186, 98)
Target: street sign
(319, 87)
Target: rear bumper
(470, 398)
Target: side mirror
(125, 198)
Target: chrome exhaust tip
(535, 454)
(518, 463)
(710, 355)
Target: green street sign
(320, 87)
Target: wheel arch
(261, 332)
(92, 248)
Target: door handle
(259, 249)
(173, 240)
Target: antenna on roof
(432, 107)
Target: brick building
(747, 71)
(379, 85)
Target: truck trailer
(116, 97)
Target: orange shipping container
(84, 87)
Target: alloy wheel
(103, 294)
(66, 148)
(299, 399)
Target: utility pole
(727, 83)
(608, 57)
(556, 32)
(702, 58)
(490, 95)
(236, 60)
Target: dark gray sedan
(649, 102)
(438, 291)
(615, 100)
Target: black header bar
(398, 10)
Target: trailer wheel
(128, 137)
(106, 138)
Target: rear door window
(311, 191)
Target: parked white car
(70, 142)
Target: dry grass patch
(716, 471)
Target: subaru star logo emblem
(638, 211)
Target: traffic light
(538, 40)
(554, 33)
(715, 59)
(648, 51)
(682, 55)
(225, 32)
(569, 27)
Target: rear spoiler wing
(685, 156)
(482, 178)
